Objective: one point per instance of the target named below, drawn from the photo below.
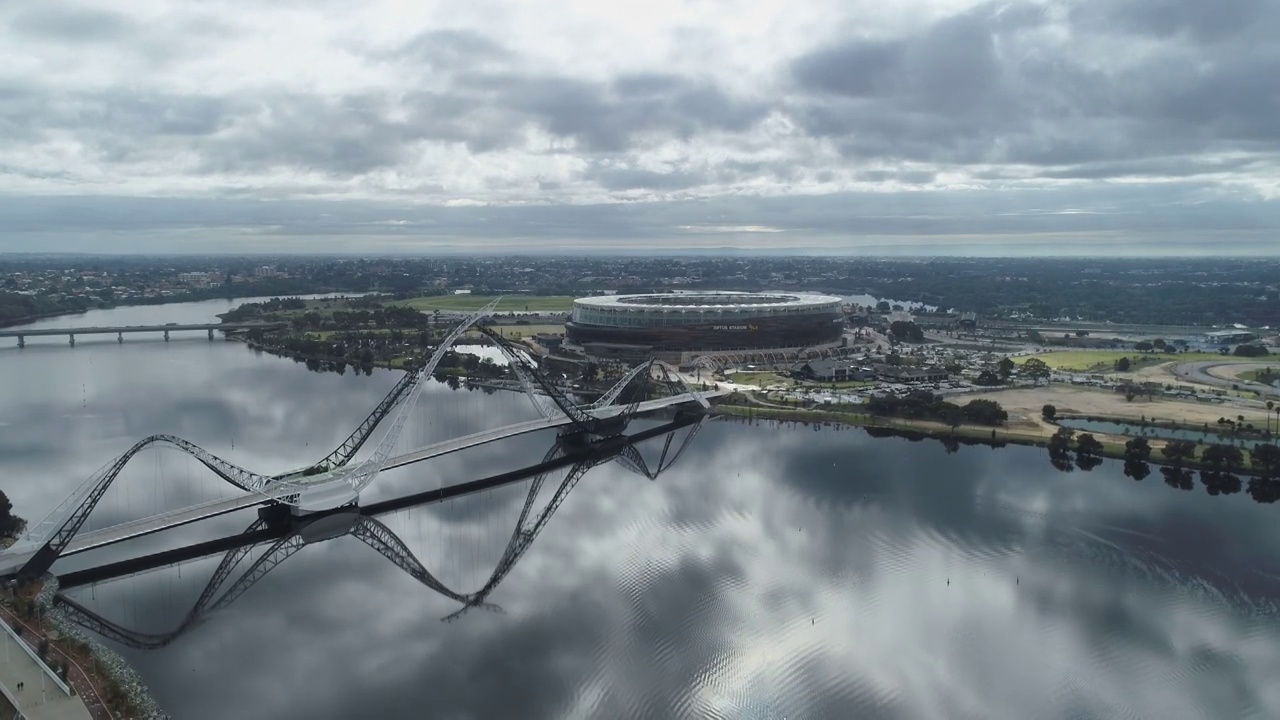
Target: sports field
(1103, 360)
(510, 303)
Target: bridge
(334, 482)
(284, 536)
(23, 333)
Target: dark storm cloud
(355, 134)
(55, 21)
(983, 87)
(1193, 19)
(609, 117)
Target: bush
(1049, 412)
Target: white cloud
(529, 104)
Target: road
(1199, 372)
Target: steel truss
(66, 520)
(381, 539)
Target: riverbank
(77, 659)
(1113, 446)
(245, 292)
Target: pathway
(85, 704)
(39, 698)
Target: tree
(985, 412)
(1088, 452)
(1123, 365)
(904, 330)
(1143, 346)
(1137, 449)
(1006, 368)
(1223, 457)
(950, 414)
(1159, 344)
(1060, 449)
(10, 524)
(882, 306)
(1087, 444)
(1265, 458)
(1036, 369)
(987, 378)
(1251, 351)
(1179, 451)
(1049, 412)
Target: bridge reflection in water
(279, 535)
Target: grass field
(1260, 374)
(759, 379)
(511, 303)
(524, 331)
(1100, 360)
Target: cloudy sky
(851, 126)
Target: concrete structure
(678, 327)
(549, 341)
(902, 374)
(1228, 337)
(832, 370)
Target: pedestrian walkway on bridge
(40, 698)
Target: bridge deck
(36, 332)
(16, 556)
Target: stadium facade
(678, 327)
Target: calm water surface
(773, 572)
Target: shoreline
(1112, 445)
(26, 319)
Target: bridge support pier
(210, 334)
(120, 338)
(72, 339)
(166, 336)
(22, 342)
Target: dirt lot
(1024, 404)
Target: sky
(937, 127)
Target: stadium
(677, 327)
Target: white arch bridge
(333, 481)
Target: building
(548, 340)
(1228, 337)
(831, 371)
(678, 327)
(968, 321)
(903, 374)
(195, 279)
(263, 271)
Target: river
(976, 584)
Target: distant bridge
(23, 333)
